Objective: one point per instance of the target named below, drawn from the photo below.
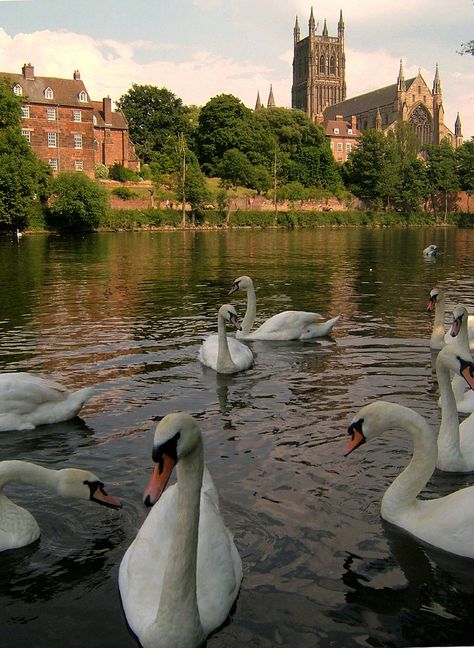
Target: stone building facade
(408, 100)
(65, 128)
(319, 68)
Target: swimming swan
(430, 251)
(27, 401)
(446, 522)
(438, 336)
(225, 354)
(288, 325)
(181, 575)
(463, 395)
(17, 525)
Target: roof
(118, 118)
(65, 91)
(343, 127)
(362, 103)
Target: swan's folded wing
(21, 393)
(288, 324)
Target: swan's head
(430, 250)
(241, 282)
(459, 322)
(229, 313)
(458, 361)
(82, 484)
(176, 436)
(436, 295)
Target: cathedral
(319, 89)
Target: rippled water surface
(127, 313)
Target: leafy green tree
(196, 191)
(412, 186)
(77, 202)
(465, 167)
(291, 129)
(23, 177)
(235, 169)
(154, 116)
(441, 172)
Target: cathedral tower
(319, 68)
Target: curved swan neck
(251, 311)
(27, 473)
(404, 489)
(448, 437)
(225, 363)
(178, 613)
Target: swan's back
(293, 325)
(241, 355)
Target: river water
(127, 313)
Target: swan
(17, 525)
(430, 251)
(27, 401)
(288, 325)
(438, 336)
(446, 522)
(458, 331)
(225, 354)
(181, 575)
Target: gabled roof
(118, 118)
(369, 101)
(65, 91)
(343, 125)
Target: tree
(235, 169)
(465, 168)
(367, 168)
(154, 115)
(412, 187)
(441, 172)
(77, 201)
(23, 177)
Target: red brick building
(65, 128)
(342, 135)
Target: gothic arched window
(421, 121)
(332, 66)
(321, 65)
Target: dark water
(127, 312)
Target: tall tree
(369, 168)
(465, 168)
(155, 116)
(441, 172)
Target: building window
(52, 140)
(51, 113)
(348, 147)
(17, 89)
(79, 165)
(349, 131)
(94, 120)
(77, 141)
(76, 116)
(26, 134)
(336, 130)
(48, 93)
(413, 97)
(25, 111)
(339, 147)
(321, 65)
(82, 96)
(332, 145)
(332, 65)
(53, 163)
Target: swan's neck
(448, 437)
(401, 494)
(177, 621)
(225, 363)
(27, 473)
(438, 324)
(251, 311)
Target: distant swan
(17, 526)
(288, 325)
(430, 251)
(225, 354)
(438, 335)
(181, 575)
(27, 401)
(446, 522)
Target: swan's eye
(169, 448)
(355, 427)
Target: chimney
(353, 123)
(76, 75)
(107, 108)
(339, 117)
(28, 71)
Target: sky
(201, 48)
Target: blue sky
(200, 48)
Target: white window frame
(48, 93)
(79, 165)
(51, 113)
(76, 116)
(348, 147)
(25, 112)
(26, 132)
(82, 96)
(53, 163)
(17, 89)
(77, 140)
(52, 137)
(336, 131)
(349, 131)
(339, 147)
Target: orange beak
(353, 443)
(431, 304)
(468, 374)
(101, 497)
(158, 481)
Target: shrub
(77, 202)
(120, 173)
(124, 193)
(101, 172)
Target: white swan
(430, 251)
(181, 575)
(27, 401)
(17, 526)
(446, 522)
(463, 395)
(288, 325)
(438, 336)
(225, 354)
